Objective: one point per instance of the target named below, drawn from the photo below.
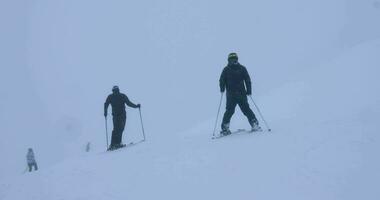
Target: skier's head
(115, 89)
(232, 58)
(30, 150)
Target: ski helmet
(232, 56)
(115, 88)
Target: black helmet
(115, 88)
(232, 56)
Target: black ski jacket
(233, 78)
(118, 101)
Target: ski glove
(105, 114)
(249, 93)
(138, 105)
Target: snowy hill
(324, 146)
(314, 66)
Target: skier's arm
(222, 81)
(247, 80)
(130, 104)
(106, 104)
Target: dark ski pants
(242, 101)
(118, 128)
(31, 165)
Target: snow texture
(314, 67)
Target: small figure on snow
(118, 101)
(31, 160)
(88, 146)
(236, 80)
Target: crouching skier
(118, 101)
(31, 160)
(232, 79)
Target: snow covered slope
(59, 60)
(324, 145)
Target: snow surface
(317, 150)
(315, 72)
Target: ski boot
(225, 130)
(111, 147)
(255, 126)
(116, 146)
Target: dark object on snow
(116, 146)
(236, 80)
(118, 101)
(31, 161)
(88, 147)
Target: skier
(232, 79)
(88, 146)
(118, 101)
(31, 160)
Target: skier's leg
(114, 131)
(35, 166)
(30, 167)
(247, 111)
(230, 110)
(122, 121)
(118, 129)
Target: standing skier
(31, 160)
(233, 78)
(118, 101)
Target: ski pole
(217, 115)
(261, 115)
(142, 125)
(105, 118)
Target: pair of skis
(127, 145)
(239, 131)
